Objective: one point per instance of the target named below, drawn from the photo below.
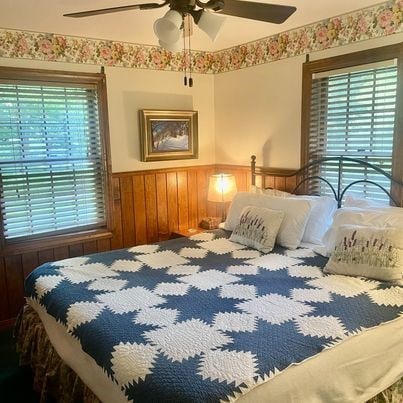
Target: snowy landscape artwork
(168, 135)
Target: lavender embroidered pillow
(258, 228)
(375, 253)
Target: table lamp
(221, 189)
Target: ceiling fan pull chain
(185, 79)
(190, 59)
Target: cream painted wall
(258, 109)
(130, 90)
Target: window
(53, 153)
(351, 109)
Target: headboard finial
(253, 169)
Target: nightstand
(185, 232)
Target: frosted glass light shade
(168, 27)
(222, 188)
(211, 24)
(172, 47)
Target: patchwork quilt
(204, 319)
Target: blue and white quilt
(203, 319)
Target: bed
(225, 315)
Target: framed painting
(168, 135)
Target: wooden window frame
(350, 60)
(39, 76)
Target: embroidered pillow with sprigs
(258, 228)
(375, 253)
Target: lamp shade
(222, 188)
(168, 27)
(211, 24)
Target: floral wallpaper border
(373, 22)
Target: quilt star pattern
(202, 318)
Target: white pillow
(258, 228)
(380, 218)
(320, 219)
(368, 252)
(296, 215)
(269, 192)
(351, 201)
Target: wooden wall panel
(192, 205)
(140, 211)
(76, 250)
(90, 247)
(47, 255)
(202, 186)
(4, 311)
(15, 284)
(117, 240)
(162, 205)
(103, 245)
(29, 262)
(127, 209)
(172, 201)
(61, 252)
(150, 192)
(147, 207)
(183, 202)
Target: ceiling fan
(205, 15)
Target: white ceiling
(136, 26)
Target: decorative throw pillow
(375, 253)
(258, 228)
(375, 218)
(296, 214)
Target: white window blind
(353, 114)
(51, 167)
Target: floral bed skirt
(54, 380)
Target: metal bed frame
(304, 175)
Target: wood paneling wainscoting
(148, 206)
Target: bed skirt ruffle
(55, 381)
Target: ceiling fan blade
(273, 13)
(145, 6)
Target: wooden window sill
(50, 242)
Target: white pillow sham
(258, 228)
(375, 253)
(296, 214)
(378, 218)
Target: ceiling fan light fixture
(168, 28)
(210, 23)
(172, 47)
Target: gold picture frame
(168, 135)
